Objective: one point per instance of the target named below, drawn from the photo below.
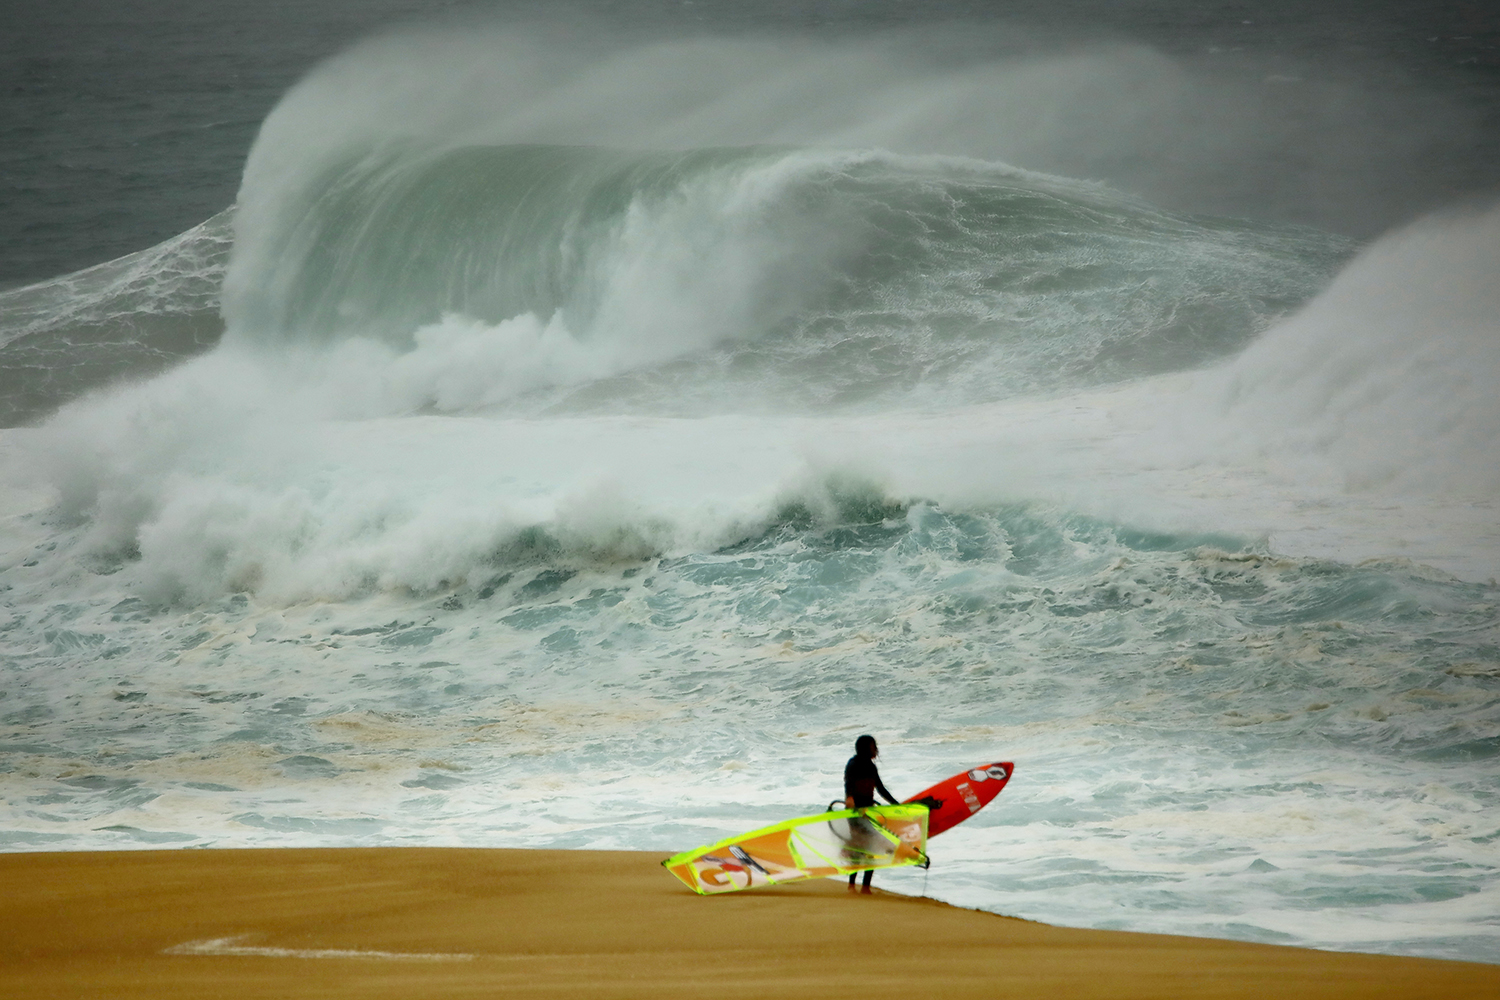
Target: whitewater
(570, 448)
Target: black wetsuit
(862, 781)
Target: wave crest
(702, 275)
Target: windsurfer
(861, 782)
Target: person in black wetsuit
(861, 782)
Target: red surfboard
(963, 795)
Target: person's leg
(852, 876)
(869, 874)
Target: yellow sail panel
(831, 843)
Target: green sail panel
(830, 843)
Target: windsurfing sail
(830, 843)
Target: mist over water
(1385, 381)
(673, 413)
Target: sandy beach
(425, 923)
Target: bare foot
(866, 891)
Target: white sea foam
(240, 472)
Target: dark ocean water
(412, 407)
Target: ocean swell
(135, 316)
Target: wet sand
(425, 923)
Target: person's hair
(864, 745)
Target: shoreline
(426, 922)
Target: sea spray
(1385, 383)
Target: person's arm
(880, 787)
